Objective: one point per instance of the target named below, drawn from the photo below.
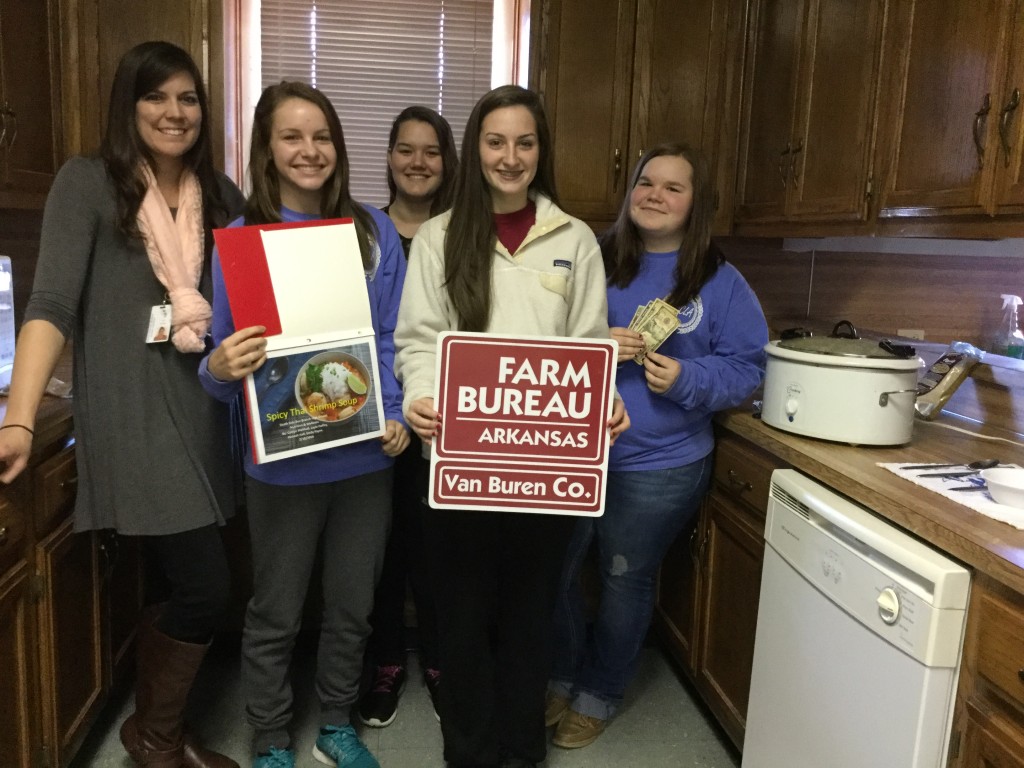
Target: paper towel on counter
(979, 501)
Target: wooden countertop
(987, 545)
(53, 419)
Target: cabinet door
(28, 72)
(684, 69)
(17, 695)
(766, 147)
(951, 64)
(676, 605)
(832, 137)
(99, 32)
(1009, 160)
(585, 80)
(69, 629)
(121, 562)
(730, 596)
(988, 745)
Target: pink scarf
(175, 248)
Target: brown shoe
(576, 730)
(154, 734)
(555, 707)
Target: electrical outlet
(911, 333)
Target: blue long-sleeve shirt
(720, 347)
(384, 282)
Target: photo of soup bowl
(332, 386)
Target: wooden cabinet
(957, 133)
(29, 101)
(988, 731)
(709, 584)
(808, 123)
(70, 648)
(69, 603)
(619, 76)
(17, 692)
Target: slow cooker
(849, 390)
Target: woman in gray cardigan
(124, 256)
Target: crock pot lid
(828, 345)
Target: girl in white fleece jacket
(504, 260)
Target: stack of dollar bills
(655, 321)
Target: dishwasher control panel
(916, 603)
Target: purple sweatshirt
(384, 283)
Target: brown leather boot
(154, 735)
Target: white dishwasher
(859, 636)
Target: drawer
(1000, 650)
(12, 531)
(744, 470)
(56, 481)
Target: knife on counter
(966, 473)
(980, 464)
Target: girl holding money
(709, 330)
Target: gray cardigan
(152, 448)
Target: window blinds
(374, 59)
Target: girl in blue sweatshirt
(338, 500)
(659, 247)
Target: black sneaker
(380, 705)
(432, 677)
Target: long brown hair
(264, 203)
(469, 243)
(144, 68)
(623, 248)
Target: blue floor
(662, 724)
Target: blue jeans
(644, 513)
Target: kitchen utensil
(969, 488)
(966, 473)
(980, 464)
(278, 369)
(1006, 484)
(845, 389)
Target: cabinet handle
(14, 120)
(1004, 124)
(69, 484)
(792, 163)
(618, 164)
(782, 164)
(3, 535)
(1020, 674)
(4, 109)
(694, 547)
(979, 122)
(738, 482)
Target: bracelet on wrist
(19, 426)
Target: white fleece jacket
(554, 285)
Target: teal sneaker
(275, 758)
(341, 747)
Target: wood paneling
(949, 297)
(781, 279)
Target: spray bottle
(1009, 339)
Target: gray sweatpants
(349, 519)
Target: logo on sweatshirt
(562, 263)
(690, 316)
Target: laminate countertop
(986, 545)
